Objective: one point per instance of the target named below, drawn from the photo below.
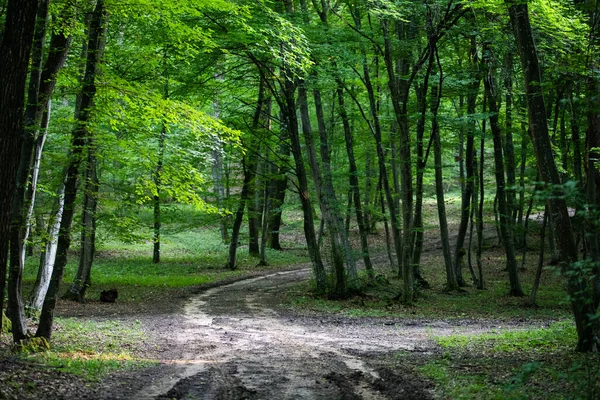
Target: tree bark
(436, 94)
(323, 194)
(506, 221)
(157, 178)
(467, 193)
(289, 89)
(329, 191)
(354, 185)
(399, 101)
(15, 49)
(80, 132)
(239, 215)
(48, 253)
(88, 229)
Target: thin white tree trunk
(48, 255)
(35, 170)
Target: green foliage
(33, 345)
(6, 323)
(558, 336)
(533, 363)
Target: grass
(188, 258)
(529, 364)
(92, 349)
(492, 303)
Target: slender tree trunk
(354, 185)
(157, 178)
(540, 266)
(264, 237)
(436, 95)
(239, 215)
(481, 196)
(383, 174)
(278, 187)
(421, 93)
(88, 230)
(48, 254)
(506, 225)
(525, 228)
(399, 102)
(94, 54)
(33, 179)
(467, 193)
(523, 166)
(323, 194)
(475, 197)
(509, 148)
(254, 215)
(330, 196)
(309, 229)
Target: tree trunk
(48, 253)
(436, 95)
(309, 228)
(383, 174)
(15, 307)
(506, 221)
(399, 102)
(239, 215)
(467, 193)
(481, 198)
(354, 186)
(157, 178)
(540, 266)
(88, 230)
(587, 328)
(15, 49)
(332, 202)
(80, 132)
(509, 148)
(33, 178)
(279, 185)
(264, 237)
(259, 123)
(323, 194)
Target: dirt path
(233, 342)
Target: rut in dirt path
(239, 346)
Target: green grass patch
(189, 258)
(559, 336)
(527, 364)
(382, 299)
(93, 349)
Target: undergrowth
(529, 364)
(91, 349)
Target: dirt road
(233, 342)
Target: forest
(425, 161)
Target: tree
(80, 132)
(15, 48)
(583, 309)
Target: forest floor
(236, 341)
(244, 339)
